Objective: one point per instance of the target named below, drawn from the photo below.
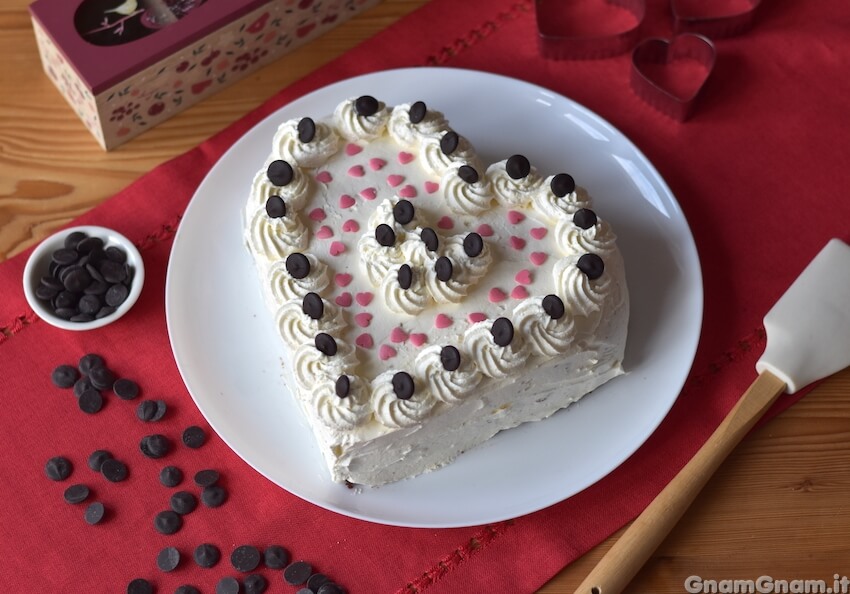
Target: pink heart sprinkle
(364, 341)
(351, 226)
(337, 248)
(407, 191)
(346, 201)
(539, 232)
(395, 180)
(417, 339)
(431, 187)
(324, 232)
(365, 298)
(343, 299)
(496, 295)
(386, 352)
(375, 164)
(515, 217)
(445, 222)
(352, 149)
(398, 335)
(356, 171)
(538, 258)
(442, 321)
(317, 214)
(363, 319)
(516, 242)
(523, 277)
(519, 292)
(476, 317)
(404, 157)
(343, 279)
(369, 193)
(324, 177)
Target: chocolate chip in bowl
(83, 278)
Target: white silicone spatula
(808, 338)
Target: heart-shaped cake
(427, 301)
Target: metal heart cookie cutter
(654, 59)
(581, 30)
(726, 20)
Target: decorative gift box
(127, 65)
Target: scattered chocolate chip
(417, 112)
(213, 496)
(330, 588)
(584, 218)
(305, 590)
(518, 167)
(449, 142)
(342, 387)
(81, 385)
(183, 502)
(385, 235)
(170, 476)
(114, 470)
(90, 361)
(280, 172)
(207, 477)
(101, 378)
(275, 557)
(473, 245)
(90, 401)
(405, 276)
(187, 589)
(306, 130)
(591, 265)
(227, 585)
(64, 376)
(95, 513)
(403, 212)
(207, 555)
(468, 174)
(450, 358)
(430, 239)
(140, 586)
(313, 306)
(97, 458)
(151, 411)
(76, 494)
(403, 385)
(297, 573)
(502, 331)
(167, 522)
(125, 389)
(366, 106)
(444, 268)
(255, 584)
(58, 468)
(297, 265)
(553, 306)
(155, 446)
(275, 207)
(245, 558)
(168, 559)
(326, 344)
(316, 581)
(562, 184)
(194, 437)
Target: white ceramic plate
(229, 355)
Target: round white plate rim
(378, 505)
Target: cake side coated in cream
(427, 302)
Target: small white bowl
(38, 266)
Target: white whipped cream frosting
(450, 387)
(314, 153)
(353, 126)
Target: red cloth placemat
(761, 172)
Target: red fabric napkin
(761, 172)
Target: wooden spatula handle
(620, 564)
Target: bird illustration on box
(126, 8)
(113, 22)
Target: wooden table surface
(780, 506)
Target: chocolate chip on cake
(502, 331)
(430, 239)
(306, 130)
(449, 142)
(584, 218)
(450, 358)
(297, 265)
(313, 306)
(444, 269)
(403, 385)
(342, 387)
(417, 112)
(591, 265)
(326, 344)
(518, 167)
(468, 174)
(366, 106)
(473, 245)
(403, 212)
(280, 173)
(562, 184)
(385, 235)
(275, 207)
(553, 306)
